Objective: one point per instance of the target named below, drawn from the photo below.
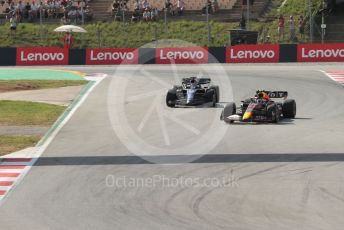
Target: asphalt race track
(126, 161)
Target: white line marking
(12, 179)
(50, 138)
(11, 170)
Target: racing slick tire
(211, 96)
(230, 109)
(273, 113)
(217, 90)
(171, 98)
(289, 108)
(214, 99)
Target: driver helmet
(193, 80)
(260, 94)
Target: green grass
(291, 7)
(9, 144)
(38, 74)
(118, 34)
(13, 85)
(28, 113)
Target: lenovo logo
(111, 56)
(42, 56)
(173, 55)
(256, 54)
(104, 56)
(192, 55)
(320, 52)
(253, 54)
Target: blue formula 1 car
(193, 92)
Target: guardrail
(274, 53)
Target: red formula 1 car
(261, 108)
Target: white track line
(7, 179)
(11, 170)
(43, 147)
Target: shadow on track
(180, 159)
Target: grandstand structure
(229, 10)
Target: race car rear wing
(200, 80)
(277, 94)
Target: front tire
(171, 98)
(214, 99)
(211, 97)
(289, 108)
(273, 113)
(230, 109)
(217, 91)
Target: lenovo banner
(320, 52)
(252, 54)
(111, 56)
(191, 55)
(42, 56)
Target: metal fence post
(208, 25)
(123, 16)
(310, 20)
(323, 22)
(98, 36)
(165, 18)
(82, 16)
(155, 35)
(40, 22)
(248, 15)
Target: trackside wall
(274, 53)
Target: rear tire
(171, 98)
(289, 108)
(230, 109)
